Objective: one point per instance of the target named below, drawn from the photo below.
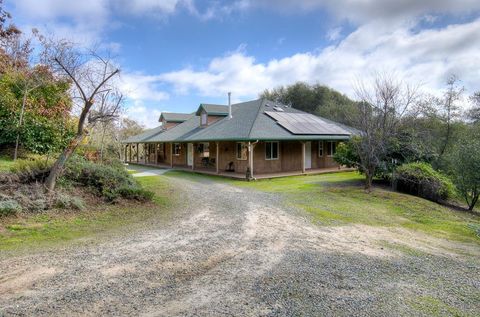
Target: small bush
(69, 202)
(9, 207)
(38, 205)
(31, 170)
(136, 193)
(108, 181)
(422, 180)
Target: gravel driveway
(237, 252)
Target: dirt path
(235, 252)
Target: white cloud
(334, 34)
(86, 22)
(145, 116)
(159, 8)
(428, 57)
(138, 87)
(367, 10)
(50, 9)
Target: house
(258, 138)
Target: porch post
(144, 148)
(250, 158)
(130, 152)
(303, 157)
(193, 155)
(138, 152)
(217, 148)
(146, 153)
(156, 153)
(171, 155)
(125, 153)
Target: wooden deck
(236, 175)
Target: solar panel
(304, 123)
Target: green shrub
(38, 205)
(108, 181)
(422, 180)
(136, 193)
(9, 207)
(69, 202)
(31, 170)
(345, 155)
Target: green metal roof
(179, 132)
(175, 117)
(214, 110)
(249, 122)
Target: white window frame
(320, 148)
(242, 146)
(204, 118)
(270, 143)
(175, 148)
(330, 148)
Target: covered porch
(236, 175)
(250, 160)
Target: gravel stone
(229, 251)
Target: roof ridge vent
(278, 108)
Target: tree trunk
(101, 142)
(368, 181)
(57, 168)
(447, 140)
(473, 203)
(24, 101)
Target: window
(242, 151)
(331, 148)
(204, 118)
(320, 148)
(176, 149)
(204, 149)
(271, 150)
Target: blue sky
(175, 54)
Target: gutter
(315, 138)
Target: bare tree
(381, 107)
(474, 112)
(107, 115)
(450, 109)
(92, 76)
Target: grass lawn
(5, 163)
(339, 199)
(45, 229)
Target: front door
(190, 154)
(308, 155)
